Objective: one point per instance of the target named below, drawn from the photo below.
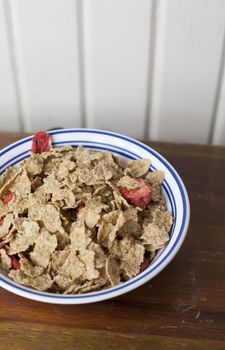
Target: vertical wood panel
(218, 132)
(187, 59)
(9, 119)
(49, 49)
(116, 37)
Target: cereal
(154, 236)
(132, 255)
(34, 165)
(91, 212)
(74, 220)
(131, 224)
(48, 214)
(79, 236)
(43, 248)
(25, 237)
(5, 261)
(138, 168)
(87, 258)
(5, 225)
(7, 184)
(29, 269)
(111, 223)
(112, 270)
(72, 267)
(100, 256)
(128, 182)
(42, 283)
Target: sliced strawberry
(6, 199)
(144, 265)
(15, 263)
(41, 142)
(139, 196)
(80, 207)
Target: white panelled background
(152, 69)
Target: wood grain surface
(181, 308)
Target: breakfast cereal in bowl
(75, 220)
(86, 215)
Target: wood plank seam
(218, 113)
(81, 61)
(17, 65)
(151, 65)
(87, 108)
(159, 13)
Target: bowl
(125, 148)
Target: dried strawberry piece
(41, 142)
(80, 207)
(15, 263)
(7, 198)
(144, 265)
(139, 196)
(1, 222)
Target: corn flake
(87, 258)
(154, 236)
(44, 247)
(5, 261)
(79, 236)
(113, 270)
(72, 267)
(7, 221)
(21, 185)
(34, 165)
(42, 282)
(29, 269)
(23, 239)
(110, 225)
(138, 168)
(128, 182)
(132, 255)
(91, 212)
(48, 214)
(155, 177)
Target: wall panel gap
(16, 64)
(151, 66)
(81, 60)
(218, 114)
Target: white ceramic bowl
(126, 148)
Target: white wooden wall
(147, 68)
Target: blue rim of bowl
(174, 248)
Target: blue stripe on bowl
(74, 143)
(184, 221)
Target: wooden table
(181, 308)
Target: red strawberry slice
(144, 265)
(41, 142)
(8, 198)
(15, 263)
(80, 207)
(139, 196)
